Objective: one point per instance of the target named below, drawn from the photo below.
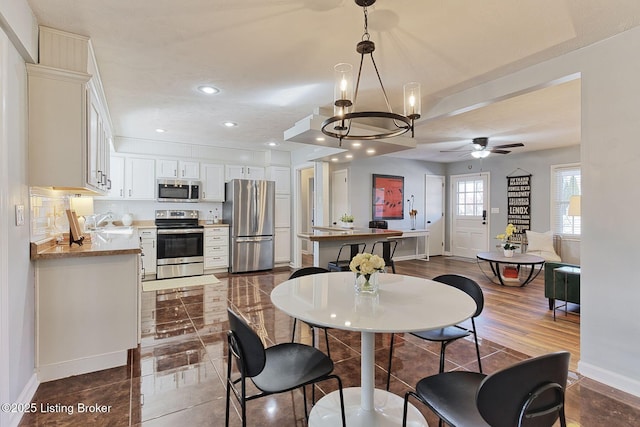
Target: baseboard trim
(26, 396)
(609, 378)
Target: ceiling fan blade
(454, 151)
(493, 150)
(516, 144)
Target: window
(470, 197)
(565, 182)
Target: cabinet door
(117, 177)
(94, 174)
(282, 177)
(149, 258)
(212, 177)
(282, 244)
(189, 170)
(282, 211)
(233, 172)
(254, 172)
(140, 178)
(167, 168)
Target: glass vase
(367, 283)
(413, 222)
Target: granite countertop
(95, 244)
(334, 233)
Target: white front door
(434, 213)
(469, 204)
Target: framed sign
(519, 203)
(388, 197)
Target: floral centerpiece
(412, 212)
(347, 221)
(366, 266)
(505, 239)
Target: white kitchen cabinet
(216, 248)
(282, 177)
(148, 241)
(86, 314)
(178, 169)
(212, 181)
(68, 131)
(282, 245)
(282, 211)
(243, 172)
(132, 178)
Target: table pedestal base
(387, 410)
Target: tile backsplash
(48, 213)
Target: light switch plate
(19, 215)
(495, 210)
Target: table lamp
(574, 210)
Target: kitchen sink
(114, 230)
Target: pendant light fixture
(346, 95)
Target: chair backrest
(388, 248)
(246, 345)
(529, 393)
(466, 285)
(354, 249)
(379, 224)
(306, 271)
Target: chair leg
(443, 348)
(293, 332)
(342, 413)
(304, 399)
(226, 417)
(390, 358)
(475, 337)
(326, 340)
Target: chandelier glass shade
(346, 94)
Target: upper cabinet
(243, 172)
(212, 181)
(132, 178)
(177, 169)
(69, 126)
(282, 176)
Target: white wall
(17, 300)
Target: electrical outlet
(19, 215)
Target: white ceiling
(273, 62)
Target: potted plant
(505, 239)
(346, 221)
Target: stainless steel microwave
(172, 190)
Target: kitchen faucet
(100, 218)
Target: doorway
(434, 213)
(339, 195)
(469, 220)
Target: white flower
(366, 263)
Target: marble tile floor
(176, 376)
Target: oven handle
(180, 230)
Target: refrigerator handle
(255, 206)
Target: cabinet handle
(121, 192)
(129, 192)
(183, 173)
(104, 179)
(109, 184)
(175, 173)
(99, 176)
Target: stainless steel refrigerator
(249, 209)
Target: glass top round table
(403, 304)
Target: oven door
(180, 252)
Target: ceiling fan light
(480, 154)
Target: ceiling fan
(481, 149)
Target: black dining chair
(379, 224)
(529, 393)
(387, 251)
(447, 335)
(306, 271)
(341, 264)
(277, 369)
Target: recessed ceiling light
(349, 156)
(230, 124)
(334, 159)
(371, 151)
(209, 90)
(320, 139)
(356, 144)
(272, 144)
(160, 130)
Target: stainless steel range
(180, 244)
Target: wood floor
(516, 317)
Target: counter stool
(343, 264)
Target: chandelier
(344, 110)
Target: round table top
(515, 259)
(403, 304)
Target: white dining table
(403, 304)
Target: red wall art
(388, 197)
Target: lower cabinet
(148, 264)
(86, 314)
(282, 245)
(216, 248)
